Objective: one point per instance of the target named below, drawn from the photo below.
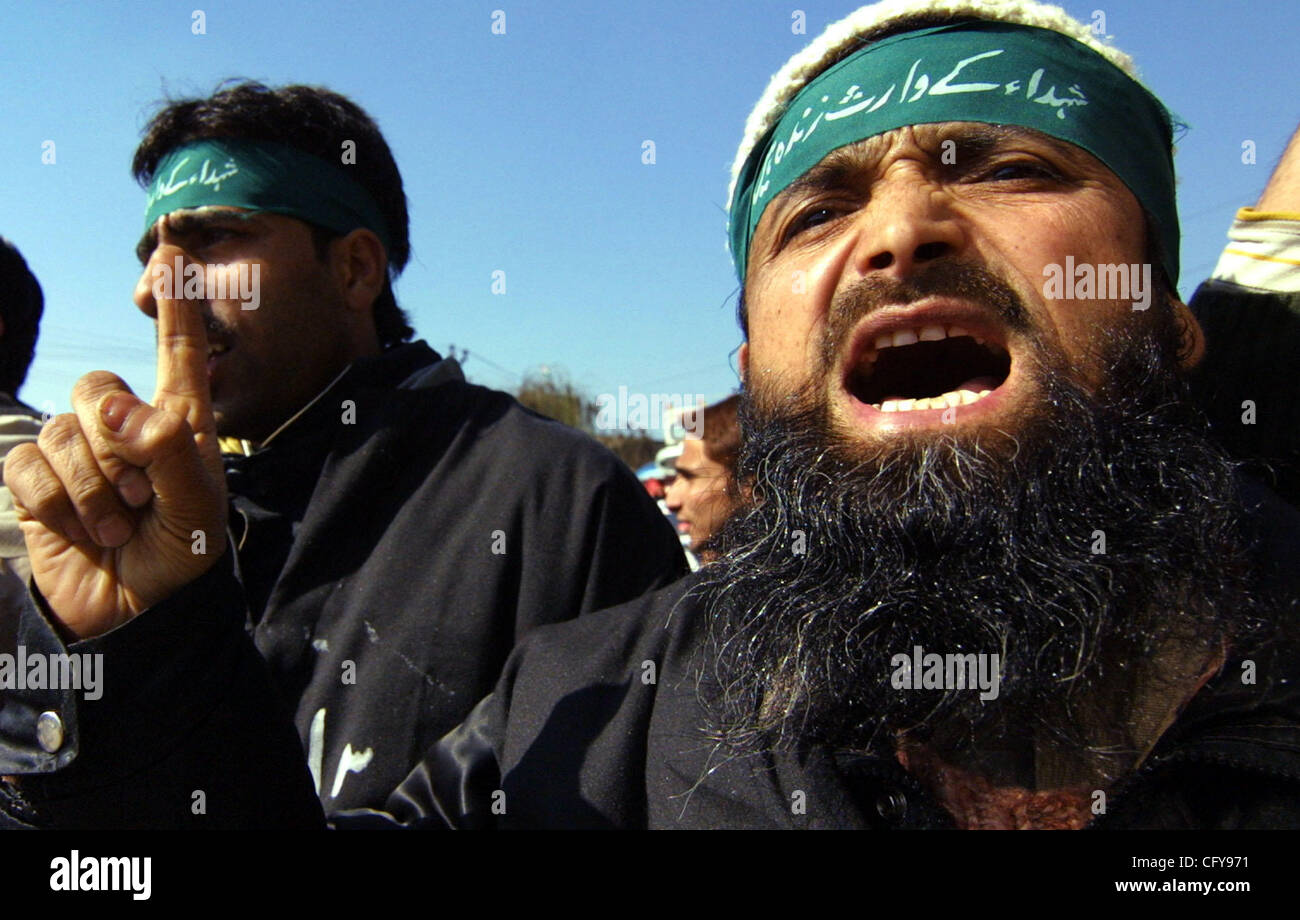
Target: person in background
(21, 305)
(1250, 310)
(704, 492)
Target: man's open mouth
(934, 365)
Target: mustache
(215, 328)
(941, 278)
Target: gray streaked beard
(982, 544)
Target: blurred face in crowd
(699, 495)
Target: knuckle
(91, 387)
(86, 486)
(59, 434)
(20, 464)
(45, 499)
(165, 434)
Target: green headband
(991, 72)
(261, 176)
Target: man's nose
(164, 274)
(910, 220)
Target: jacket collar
(410, 365)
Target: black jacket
(394, 542)
(577, 734)
(1249, 379)
(596, 723)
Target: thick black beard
(961, 544)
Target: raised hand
(121, 502)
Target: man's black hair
(316, 121)
(21, 305)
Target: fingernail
(114, 411)
(134, 488)
(114, 531)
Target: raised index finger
(182, 361)
(183, 370)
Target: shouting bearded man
(993, 572)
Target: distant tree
(635, 448)
(551, 392)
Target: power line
(463, 355)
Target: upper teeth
(928, 333)
(950, 400)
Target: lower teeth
(950, 400)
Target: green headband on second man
(990, 72)
(261, 176)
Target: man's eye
(1007, 172)
(813, 217)
(214, 236)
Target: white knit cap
(827, 47)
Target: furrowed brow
(825, 176)
(183, 224)
(979, 141)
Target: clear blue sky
(523, 152)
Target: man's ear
(742, 361)
(361, 267)
(1191, 346)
